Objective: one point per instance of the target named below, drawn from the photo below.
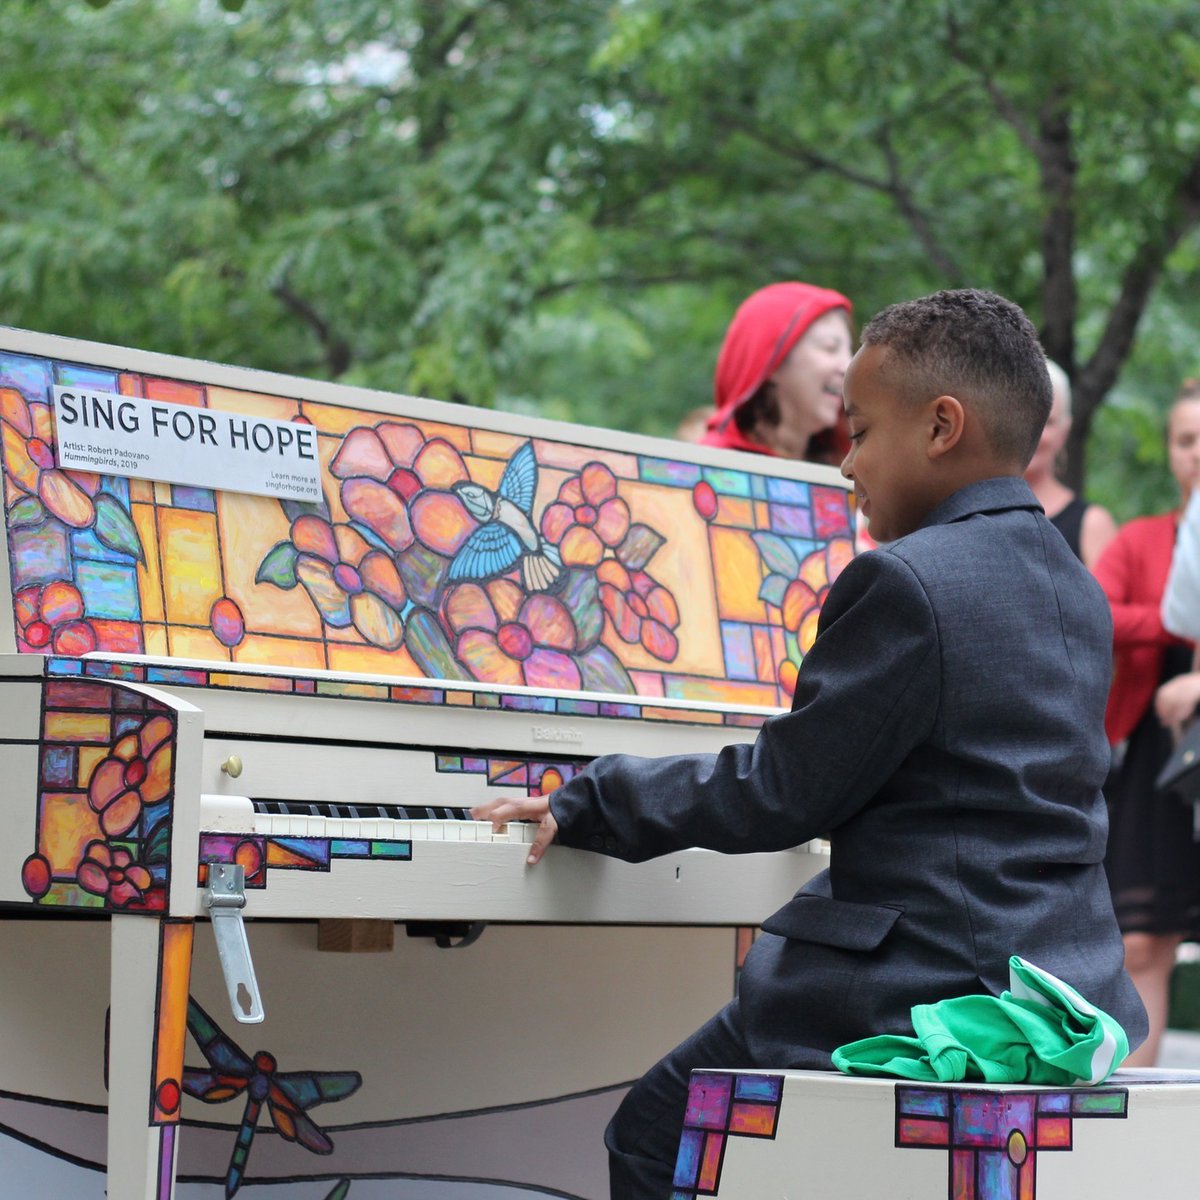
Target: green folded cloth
(1040, 1031)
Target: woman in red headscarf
(778, 386)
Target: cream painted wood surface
(525, 1014)
(839, 1138)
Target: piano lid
(455, 545)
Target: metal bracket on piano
(447, 935)
(224, 899)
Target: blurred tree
(1048, 150)
(345, 189)
(557, 207)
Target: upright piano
(265, 642)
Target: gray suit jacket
(947, 737)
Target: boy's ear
(947, 419)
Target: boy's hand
(526, 808)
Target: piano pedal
(447, 935)
(224, 899)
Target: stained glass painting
(440, 550)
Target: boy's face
(888, 459)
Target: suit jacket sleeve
(867, 694)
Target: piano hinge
(224, 900)
(447, 935)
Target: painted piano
(245, 704)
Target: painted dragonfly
(287, 1095)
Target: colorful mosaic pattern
(264, 681)
(105, 791)
(721, 1105)
(993, 1138)
(170, 1032)
(258, 853)
(440, 550)
(537, 776)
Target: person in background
(1181, 600)
(1153, 863)
(778, 383)
(1088, 528)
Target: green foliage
(329, 187)
(556, 207)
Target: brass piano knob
(232, 766)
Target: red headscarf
(762, 333)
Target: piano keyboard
(378, 822)
(360, 812)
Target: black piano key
(359, 812)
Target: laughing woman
(778, 386)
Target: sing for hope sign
(176, 443)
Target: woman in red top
(778, 384)
(1153, 861)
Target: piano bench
(787, 1134)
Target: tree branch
(1005, 108)
(24, 132)
(1141, 275)
(338, 355)
(919, 222)
(1060, 298)
(893, 187)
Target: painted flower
(135, 773)
(802, 600)
(587, 518)
(640, 608)
(503, 636)
(51, 618)
(27, 442)
(111, 872)
(350, 581)
(384, 467)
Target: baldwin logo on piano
(551, 733)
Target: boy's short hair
(977, 347)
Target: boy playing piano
(946, 736)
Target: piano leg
(151, 969)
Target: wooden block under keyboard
(344, 935)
